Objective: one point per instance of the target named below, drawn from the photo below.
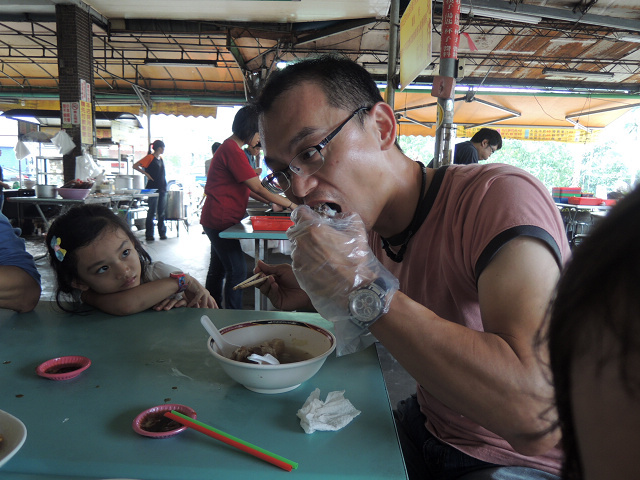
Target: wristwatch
(367, 304)
(182, 280)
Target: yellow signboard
(568, 135)
(415, 41)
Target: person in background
(214, 147)
(3, 185)
(482, 145)
(19, 277)
(152, 167)
(99, 262)
(230, 182)
(452, 270)
(594, 349)
(253, 155)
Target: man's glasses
(306, 163)
(493, 149)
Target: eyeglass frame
(267, 181)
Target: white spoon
(226, 348)
(266, 359)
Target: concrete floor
(189, 250)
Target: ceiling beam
(630, 25)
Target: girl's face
(109, 264)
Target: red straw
(247, 447)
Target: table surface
(59, 200)
(81, 428)
(245, 230)
(583, 207)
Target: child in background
(98, 261)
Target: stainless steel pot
(46, 191)
(175, 206)
(139, 182)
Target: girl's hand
(197, 296)
(282, 289)
(169, 303)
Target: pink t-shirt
(227, 196)
(476, 209)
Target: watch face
(365, 305)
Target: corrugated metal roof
(526, 43)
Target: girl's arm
(134, 300)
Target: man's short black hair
(493, 136)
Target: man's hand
(282, 289)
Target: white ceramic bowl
(299, 337)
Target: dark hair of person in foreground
(594, 347)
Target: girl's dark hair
(245, 123)
(155, 146)
(76, 229)
(597, 299)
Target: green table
(81, 428)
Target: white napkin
(332, 414)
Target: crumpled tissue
(333, 414)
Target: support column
(75, 72)
(445, 83)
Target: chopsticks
(252, 281)
(247, 447)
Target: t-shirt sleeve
(158, 270)
(240, 168)
(531, 213)
(146, 161)
(13, 251)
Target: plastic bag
(332, 258)
(21, 150)
(63, 141)
(88, 170)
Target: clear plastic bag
(331, 259)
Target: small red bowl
(152, 422)
(63, 368)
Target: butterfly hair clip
(55, 245)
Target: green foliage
(550, 162)
(555, 164)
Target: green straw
(293, 464)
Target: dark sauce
(157, 422)
(65, 368)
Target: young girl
(98, 261)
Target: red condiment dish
(63, 368)
(152, 422)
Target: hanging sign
(415, 41)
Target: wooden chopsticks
(252, 281)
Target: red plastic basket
(585, 201)
(271, 223)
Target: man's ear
(387, 127)
(79, 285)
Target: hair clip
(55, 245)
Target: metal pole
(394, 25)
(445, 83)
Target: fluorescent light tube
(575, 73)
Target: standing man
(482, 145)
(152, 167)
(451, 269)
